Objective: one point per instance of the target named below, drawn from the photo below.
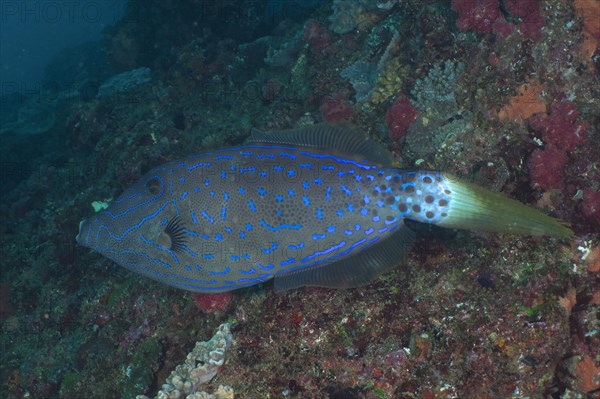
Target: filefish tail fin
(476, 208)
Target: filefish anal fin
(355, 271)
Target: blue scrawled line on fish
(318, 206)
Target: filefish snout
(82, 232)
(93, 232)
(139, 225)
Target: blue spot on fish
(207, 217)
(281, 226)
(249, 271)
(305, 200)
(267, 267)
(287, 262)
(296, 247)
(272, 248)
(225, 271)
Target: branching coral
(349, 14)
(435, 94)
(200, 366)
(441, 120)
(391, 81)
(364, 75)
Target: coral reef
(561, 127)
(350, 14)
(124, 82)
(528, 12)
(485, 16)
(317, 37)
(201, 365)
(590, 206)
(362, 76)
(33, 116)
(271, 89)
(470, 315)
(478, 15)
(399, 117)
(336, 108)
(589, 10)
(210, 303)
(527, 102)
(282, 53)
(547, 167)
(435, 95)
(391, 82)
(562, 132)
(441, 121)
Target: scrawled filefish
(316, 206)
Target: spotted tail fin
(476, 208)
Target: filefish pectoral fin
(355, 271)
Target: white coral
(200, 366)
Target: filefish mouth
(79, 236)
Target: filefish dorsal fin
(342, 137)
(359, 269)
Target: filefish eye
(153, 186)
(173, 236)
